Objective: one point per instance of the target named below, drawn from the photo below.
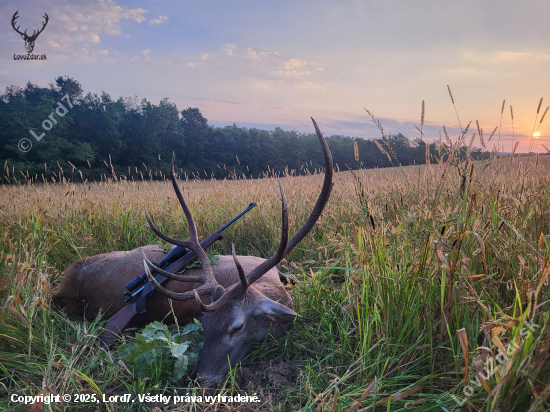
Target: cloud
(292, 72)
(251, 54)
(319, 69)
(190, 64)
(204, 56)
(228, 49)
(257, 54)
(94, 38)
(486, 63)
(290, 68)
(146, 53)
(306, 85)
(259, 84)
(464, 71)
(368, 129)
(160, 20)
(510, 56)
(293, 64)
(98, 16)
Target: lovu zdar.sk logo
(29, 39)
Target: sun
(536, 135)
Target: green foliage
(161, 355)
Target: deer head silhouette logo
(29, 40)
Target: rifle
(175, 261)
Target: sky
(270, 64)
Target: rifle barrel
(250, 206)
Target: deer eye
(236, 328)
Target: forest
(93, 137)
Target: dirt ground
(268, 374)
(266, 379)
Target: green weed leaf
(180, 367)
(161, 355)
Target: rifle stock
(116, 324)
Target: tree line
(94, 137)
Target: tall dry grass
(411, 282)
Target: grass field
(415, 278)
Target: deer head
(29, 40)
(240, 315)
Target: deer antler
(43, 26)
(206, 277)
(321, 200)
(284, 247)
(242, 276)
(15, 17)
(34, 32)
(238, 289)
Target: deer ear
(274, 310)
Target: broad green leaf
(192, 327)
(179, 350)
(180, 367)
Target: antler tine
(207, 276)
(190, 221)
(199, 301)
(181, 278)
(239, 288)
(321, 200)
(205, 289)
(177, 242)
(43, 24)
(258, 271)
(193, 237)
(15, 17)
(244, 280)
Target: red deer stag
(244, 299)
